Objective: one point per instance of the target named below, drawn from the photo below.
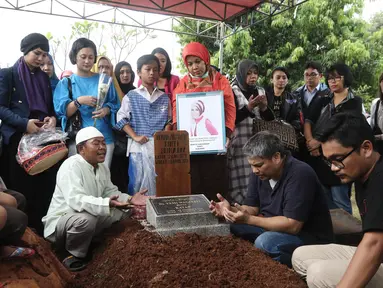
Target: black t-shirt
(297, 195)
(278, 101)
(369, 197)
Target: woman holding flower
(85, 91)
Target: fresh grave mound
(43, 270)
(133, 257)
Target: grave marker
(172, 163)
(187, 214)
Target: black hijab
(124, 87)
(241, 74)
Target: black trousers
(37, 189)
(209, 175)
(16, 222)
(119, 172)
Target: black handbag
(74, 122)
(283, 130)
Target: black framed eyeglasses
(334, 79)
(312, 75)
(338, 163)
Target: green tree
(321, 30)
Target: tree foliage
(326, 31)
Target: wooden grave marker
(172, 163)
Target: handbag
(283, 130)
(74, 122)
(40, 151)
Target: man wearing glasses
(313, 88)
(311, 96)
(348, 147)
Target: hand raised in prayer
(252, 103)
(240, 216)
(139, 199)
(261, 102)
(217, 208)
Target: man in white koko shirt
(84, 201)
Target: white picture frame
(202, 115)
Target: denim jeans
(279, 246)
(339, 197)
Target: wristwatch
(78, 104)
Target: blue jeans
(279, 246)
(339, 197)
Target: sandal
(21, 253)
(74, 264)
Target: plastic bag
(142, 174)
(31, 144)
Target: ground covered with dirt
(133, 257)
(40, 271)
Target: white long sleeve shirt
(81, 187)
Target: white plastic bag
(142, 174)
(31, 144)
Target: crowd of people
(277, 197)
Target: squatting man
(85, 201)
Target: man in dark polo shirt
(348, 145)
(285, 206)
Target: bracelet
(78, 104)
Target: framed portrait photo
(202, 115)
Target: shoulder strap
(376, 113)
(70, 89)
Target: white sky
(17, 24)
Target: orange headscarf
(196, 49)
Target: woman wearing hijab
(26, 102)
(104, 65)
(208, 172)
(125, 77)
(49, 68)
(120, 162)
(84, 91)
(249, 99)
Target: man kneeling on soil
(84, 199)
(285, 206)
(348, 145)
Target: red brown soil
(133, 257)
(42, 270)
